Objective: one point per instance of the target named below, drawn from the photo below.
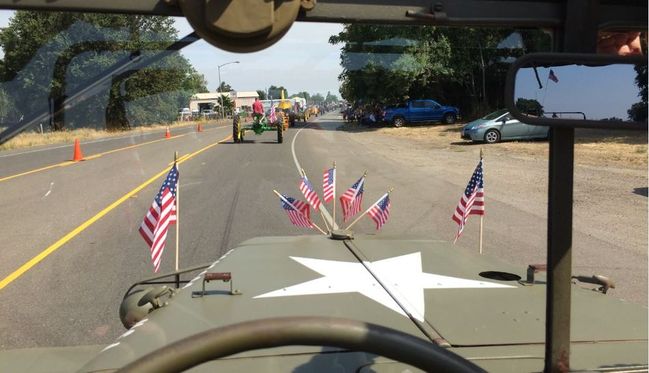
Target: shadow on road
(244, 142)
(641, 191)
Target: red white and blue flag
(161, 213)
(472, 201)
(352, 199)
(272, 117)
(552, 76)
(297, 211)
(328, 182)
(309, 193)
(380, 211)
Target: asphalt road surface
(71, 246)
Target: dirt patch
(30, 139)
(592, 147)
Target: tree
(330, 98)
(224, 87)
(48, 55)
(228, 105)
(262, 94)
(638, 111)
(276, 92)
(305, 95)
(531, 107)
(317, 98)
(463, 67)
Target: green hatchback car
(500, 125)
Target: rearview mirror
(578, 90)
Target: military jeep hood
(422, 287)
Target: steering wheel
(306, 331)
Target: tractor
(259, 125)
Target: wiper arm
(88, 90)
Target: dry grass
(30, 139)
(592, 147)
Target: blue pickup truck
(420, 111)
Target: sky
(302, 60)
(599, 92)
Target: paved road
(72, 295)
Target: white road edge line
(299, 167)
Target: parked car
(420, 111)
(184, 114)
(500, 125)
(208, 113)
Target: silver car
(500, 125)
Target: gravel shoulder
(610, 190)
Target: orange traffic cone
(199, 128)
(78, 156)
(167, 134)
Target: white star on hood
(402, 275)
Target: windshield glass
(495, 114)
(109, 102)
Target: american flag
(161, 213)
(552, 76)
(328, 181)
(352, 199)
(298, 213)
(272, 117)
(472, 201)
(380, 211)
(311, 196)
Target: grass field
(592, 147)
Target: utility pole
(219, 89)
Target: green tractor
(258, 126)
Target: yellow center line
(63, 240)
(94, 156)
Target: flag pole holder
(342, 234)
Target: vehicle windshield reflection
(145, 172)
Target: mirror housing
(566, 119)
(242, 25)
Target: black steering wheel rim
(310, 331)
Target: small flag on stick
(552, 76)
(328, 182)
(309, 193)
(298, 212)
(380, 211)
(472, 200)
(352, 199)
(161, 213)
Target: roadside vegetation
(87, 45)
(31, 139)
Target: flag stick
(369, 208)
(321, 206)
(295, 208)
(481, 216)
(481, 221)
(334, 199)
(545, 90)
(177, 211)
